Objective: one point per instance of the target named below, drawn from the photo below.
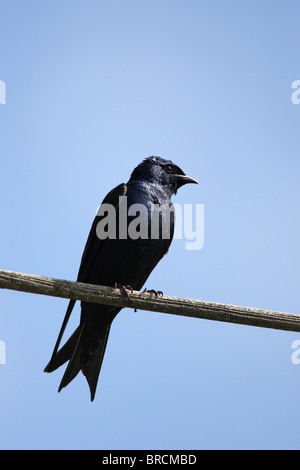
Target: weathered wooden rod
(145, 301)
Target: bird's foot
(157, 293)
(124, 289)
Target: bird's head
(162, 172)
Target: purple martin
(122, 259)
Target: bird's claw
(157, 293)
(124, 289)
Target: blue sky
(92, 88)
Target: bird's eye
(169, 168)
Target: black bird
(118, 259)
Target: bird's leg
(124, 289)
(157, 293)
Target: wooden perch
(145, 301)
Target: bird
(119, 260)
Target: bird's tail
(80, 358)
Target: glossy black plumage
(122, 261)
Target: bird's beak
(183, 179)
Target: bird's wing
(91, 248)
(93, 242)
